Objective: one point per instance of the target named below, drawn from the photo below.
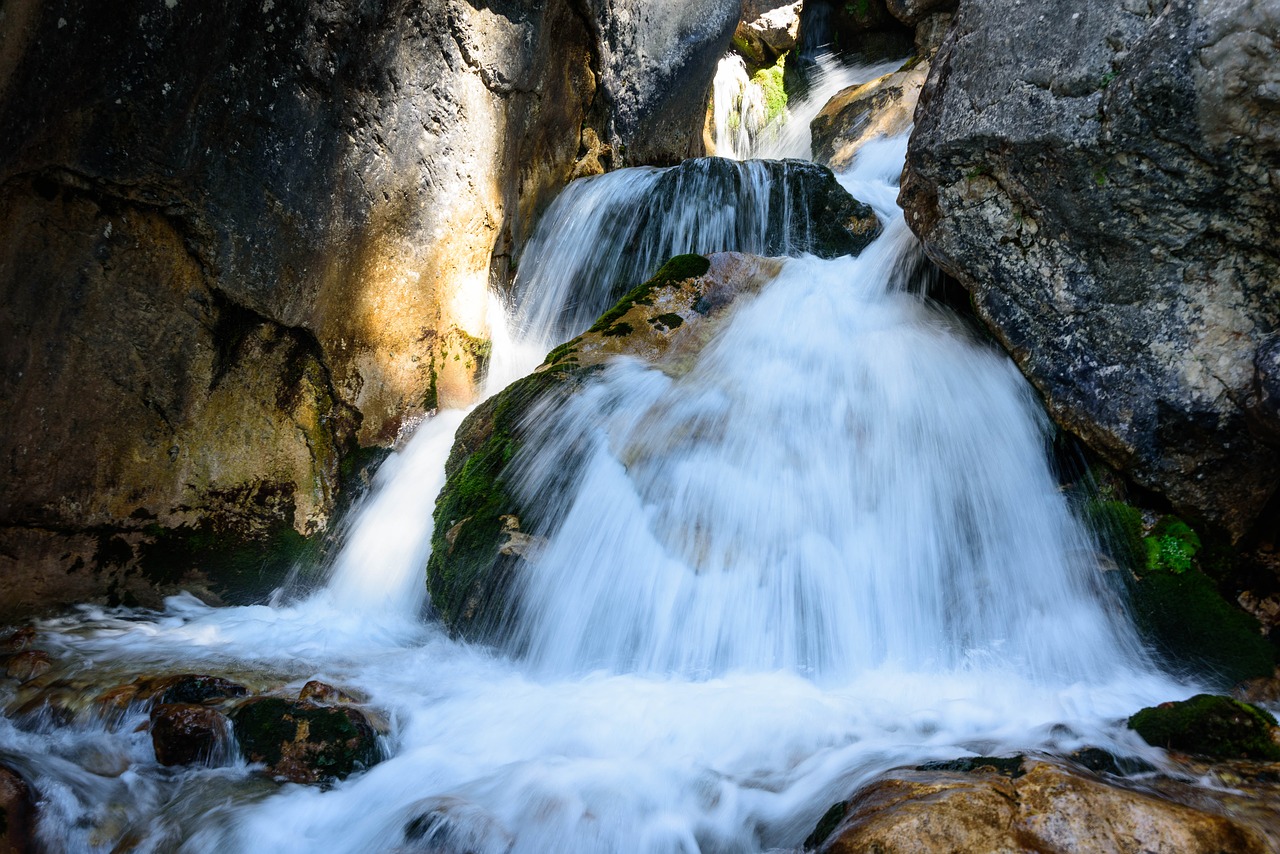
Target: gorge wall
(243, 244)
(1103, 179)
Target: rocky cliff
(240, 242)
(1103, 180)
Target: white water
(831, 548)
(741, 129)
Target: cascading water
(830, 548)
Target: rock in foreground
(1046, 808)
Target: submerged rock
(1046, 807)
(189, 734)
(1216, 727)
(304, 742)
(183, 688)
(480, 534)
(1102, 179)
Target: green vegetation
(667, 321)
(771, 84)
(1218, 727)
(1177, 608)
(1005, 766)
(826, 825)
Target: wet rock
(1048, 809)
(805, 210)
(17, 813)
(189, 734)
(912, 12)
(768, 29)
(481, 527)
(1101, 178)
(1206, 725)
(20, 639)
(864, 30)
(150, 691)
(28, 664)
(323, 693)
(882, 108)
(303, 742)
(1264, 689)
(657, 61)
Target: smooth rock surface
(883, 107)
(1103, 180)
(1049, 808)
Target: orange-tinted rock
(29, 664)
(187, 734)
(1050, 809)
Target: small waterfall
(831, 548)
(844, 481)
(740, 115)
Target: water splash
(952, 596)
(742, 129)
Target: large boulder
(1102, 179)
(305, 742)
(481, 534)
(238, 263)
(1045, 807)
(1206, 725)
(880, 108)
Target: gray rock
(657, 61)
(912, 12)
(1103, 179)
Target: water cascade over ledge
(831, 547)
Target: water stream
(832, 547)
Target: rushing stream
(832, 547)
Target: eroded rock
(481, 525)
(881, 108)
(189, 734)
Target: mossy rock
(304, 742)
(1176, 607)
(468, 574)
(482, 529)
(1207, 725)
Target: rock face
(656, 65)
(1043, 807)
(480, 538)
(227, 264)
(768, 29)
(1103, 180)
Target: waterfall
(831, 547)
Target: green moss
(678, 269)
(669, 321)
(618, 330)
(1206, 725)
(334, 743)
(1186, 618)
(468, 514)
(242, 568)
(1176, 607)
(771, 84)
(563, 353)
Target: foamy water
(831, 548)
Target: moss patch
(1217, 727)
(1177, 608)
(678, 269)
(302, 741)
(770, 81)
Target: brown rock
(324, 694)
(1050, 809)
(884, 107)
(188, 734)
(28, 664)
(20, 639)
(304, 742)
(151, 691)
(17, 813)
